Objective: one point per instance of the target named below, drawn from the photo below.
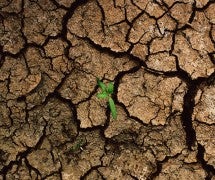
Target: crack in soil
(50, 55)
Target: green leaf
(101, 85)
(102, 95)
(110, 88)
(112, 108)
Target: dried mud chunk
(85, 159)
(161, 44)
(190, 59)
(21, 81)
(78, 86)
(37, 97)
(171, 2)
(28, 135)
(161, 62)
(166, 22)
(21, 171)
(61, 126)
(163, 141)
(89, 19)
(115, 37)
(11, 38)
(154, 9)
(95, 62)
(57, 118)
(201, 24)
(143, 30)
(75, 170)
(201, 3)
(22, 85)
(121, 125)
(91, 114)
(8, 149)
(4, 115)
(130, 162)
(42, 160)
(17, 112)
(39, 23)
(199, 37)
(94, 175)
(65, 2)
(110, 12)
(141, 4)
(200, 41)
(29, 130)
(176, 169)
(148, 97)
(204, 110)
(55, 47)
(210, 13)
(13, 6)
(38, 63)
(86, 21)
(140, 50)
(131, 11)
(181, 12)
(205, 136)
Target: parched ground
(160, 54)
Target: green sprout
(107, 91)
(78, 145)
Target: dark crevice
(188, 103)
(208, 168)
(210, 2)
(192, 16)
(188, 107)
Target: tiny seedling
(107, 91)
(78, 145)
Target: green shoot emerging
(107, 91)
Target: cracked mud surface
(160, 54)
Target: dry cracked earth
(160, 54)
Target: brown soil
(160, 55)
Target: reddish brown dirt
(160, 54)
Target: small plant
(107, 91)
(78, 145)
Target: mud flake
(190, 59)
(210, 13)
(121, 125)
(55, 47)
(131, 11)
(147, 97)
(181, 12)
(165, 23)
(86, 158)
(43, 162)
(162, 62)
(111, 11)
(91, 113)
(175, 169)
(205, 136)
(161, 44)
(38, 23)
(65, 2)
(154, 9)
(78, 86)
(130, 162)
(143, 30)
(204, 110)
(11, 38)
